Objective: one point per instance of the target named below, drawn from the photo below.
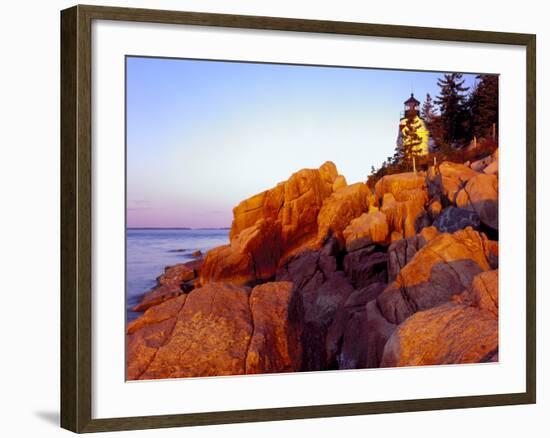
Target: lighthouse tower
(412, 112)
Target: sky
(204, 135)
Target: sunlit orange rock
(365, 230)
(339, 183)
(251, 256)
(448, 178)
(339, 209)
(146, 334)
(402, 251)
(406, 217)
(482, 293)
(403, 186)
(480, 194)
(170, 284)
(210, 336)
(447, 334)
(275, 344)
(444, 267)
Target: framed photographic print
(269, 218)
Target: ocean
(149, 251)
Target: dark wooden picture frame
(76, 217)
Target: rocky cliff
(324, 275)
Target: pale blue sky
(204, 135)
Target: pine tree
(453, 108)
(428, 110)
(483, 105)
(411, 140)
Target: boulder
(444, 267)
(339, 209)
(482, 163)
(480, 194)
(448, 179)
(447, 334)
(176, 274)
(339, 183)
(175, 280)
(346, 342)
(210, 337)
(434, 208)
(273, 225)
(275, 344)
(252, 256)
(492, 169)
(367, 229)
(403, 186)
(406, 217)
(363, 267)
(453, 219)
(490, 247)
(158, 295)
(402, 251)
(482, 293)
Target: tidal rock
(481, 164)
(339, 209)
(176, 274)
(480, 194)
(435, 208)
(453, 219)
(402, 251)
(367, 229)
(491, 169)
(175, 281)
(363, 267)
(447, 334)
(275, 344)
(444, 267)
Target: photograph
(288, 218)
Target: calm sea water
(148, 251)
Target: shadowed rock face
(347, 337)
(453, 219)
(321, 289)
(447, 334)
(364, 267)
(442, 268)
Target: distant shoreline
(176, 228)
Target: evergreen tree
(483, 105)
(428, 110)
(453, 108)
(411, 141)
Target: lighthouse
(410, 120)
